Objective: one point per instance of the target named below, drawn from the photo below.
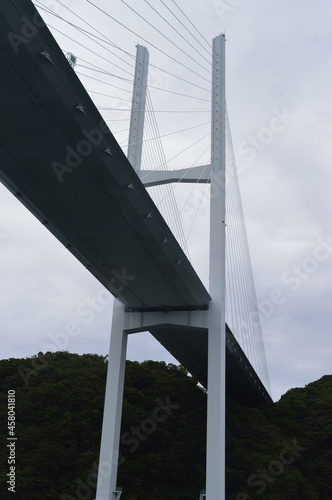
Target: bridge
(59, 158)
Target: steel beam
(195, 175)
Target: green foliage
(279, 452)
(163, 453)
(59, 403)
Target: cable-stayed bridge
(59, 158)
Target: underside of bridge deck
(190, 347)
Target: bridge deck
(63, 163)
(190, 347)
(91, 200)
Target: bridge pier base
(215, 438)
(109, 448)
(123, 324)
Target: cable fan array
(154, 157)
(242, 314)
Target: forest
(279, 452)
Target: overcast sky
(279, 77)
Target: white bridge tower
(212, 320)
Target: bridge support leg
(109, 449)
(215, 444)
(215, 455)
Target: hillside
(280, 452)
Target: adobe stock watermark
(296, 276)
(300, 273)
(254, 144)
(148, 426)
(224, 7)
(87, 310)
(265, 476)
(200, 201)
(130, 439)
(293, 278)
(74, 157)
(31, 27)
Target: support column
(138, 108)
(215, 466)
(110, 439)
(109, 448)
